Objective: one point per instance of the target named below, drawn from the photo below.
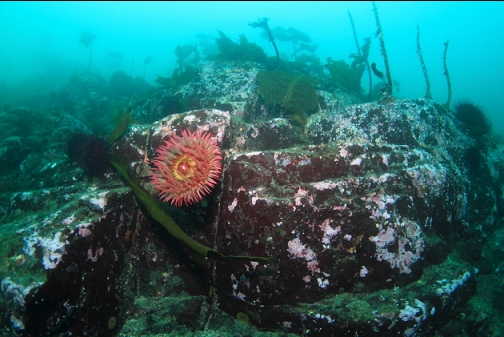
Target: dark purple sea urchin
(89, 152)
(473, 119)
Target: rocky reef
(375, 217)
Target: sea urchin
(186, 167)
(473, 119)
(89, 152)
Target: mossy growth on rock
(289, 95)
(344, 76)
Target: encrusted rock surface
(362, 211)
(359, 211)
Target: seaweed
(424, 68)
(165, 81)
(362, 55)
(292, 95)
(178, 78)
(156, 211)
(263, 23)
(184, 77)
(308, 64)
(184, 51)
(123, 122)
(375, 70)
(344, 76)
(87, 38)
(243, 51)
(387, 91)
(448, 101)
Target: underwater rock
(20, 135)
(216, 86)
(68, 244)
(359, 213)
(79, 255)
(366, 210)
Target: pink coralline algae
(410, 245)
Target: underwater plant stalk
(264, 24)
(156, 211)
(354, 33)
(424, 68)
(90, 56)
(447, 104)
(359, 51)
(180, 59)
(379, 33)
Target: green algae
(183, 316)
(292, 95)
(344, 76)
(124, 120)
(122, 125)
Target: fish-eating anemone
(89, 152)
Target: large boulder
(365, 212)
(376, 202)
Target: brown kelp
(362, 54)
(447, 104)
(424, 68)
(244, 51)
(124, 119)
(263, 23)
(87, 38)
(343, 76)
(183, 52)
(155, 210)
(379, 34)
